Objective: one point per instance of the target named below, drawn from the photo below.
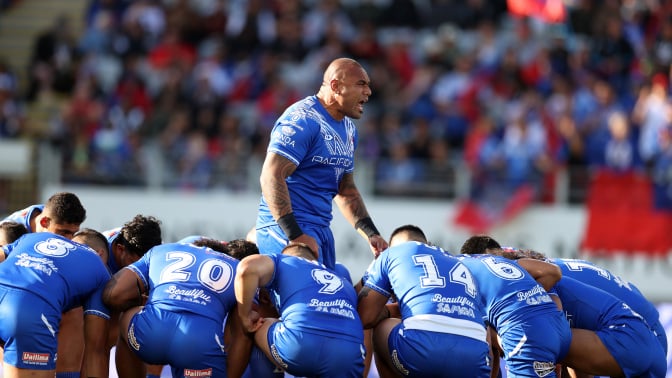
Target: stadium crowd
(455, 84)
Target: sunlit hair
(140, 234)
(93, 239)
(478, 245)
(516, 253)
(214, 244)
(241, 248)
(413, 232)
(65, 208)
(12, 230)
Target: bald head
(338, 69)
(345, 89)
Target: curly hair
(65, 207)
(214, 244)
(479, 244)
(241, 248)
(140, 234)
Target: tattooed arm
(124, 290)
(274, 172)
(351, 205)
(371, 307)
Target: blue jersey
(23, 216)
(511, 294)
(323, 151)
(64, 273)
(591, 274)
(590, 308)
(314, 299)
(186, 278)
(111, 236)
(426, 281)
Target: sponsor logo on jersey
(198, 373)
(543, 368)
(283, 139)
(287, 130)
(337, 161)
(35, 358)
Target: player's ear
(44, 222)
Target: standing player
(310, 163)
(441, 331)
(190, 288)
(319, 332)
(533, 333)
(62, 214)
(43, 276)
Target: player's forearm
(275, 192)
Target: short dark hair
(65, 207)
(299, 250)
(12, 230)
(516, 253)
(140, 234)
(241, 248)
(478, 245)
(214, 244)
(414, 232)
(93, 239)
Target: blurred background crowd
(467, 96)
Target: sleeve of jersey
(376, 279)
(291, 141)
(94, 304)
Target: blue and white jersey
(593, 275)
(323, 150)
(64, 273)
(511, 294)
(314, 299)
(588, 307)
(427, 281)
(186, 278)
(23, 216)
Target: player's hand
(252, 322)
(377, 244)
(309, 241)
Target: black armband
(288, 224)
(367, 227)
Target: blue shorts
(261, 367)
(191, 344)
(635, 347)
(307, 354)
(419, 353)
(534, 346)
(271, 239)
(29, 329)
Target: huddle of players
(207, 314)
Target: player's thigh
(263, 338)
(380, 337)
(588, 354)
(71, 341)
(124, 322)
(10, 371)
